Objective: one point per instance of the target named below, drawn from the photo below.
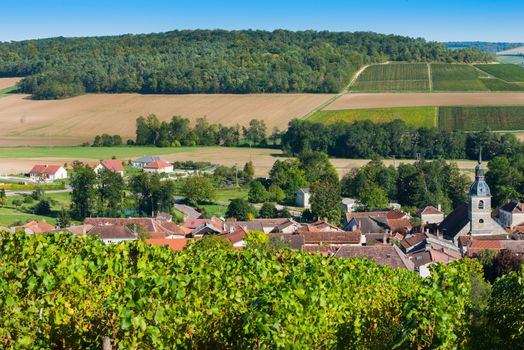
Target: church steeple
(479, 188)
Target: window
(481, 221)
(481, 204)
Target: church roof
(479, 188)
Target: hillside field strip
(477, 118)
(440, 77)
(518, 60)
(75, 120)
(414, 116)
(8, 82)
(393, 77)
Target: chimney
(439, 207)
(385, 239)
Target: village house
(47, 173)
(143, 161)
(236, 237)
(430, 215)
(302, 198)
(113, 165)
(379, 221)
(511, 214)
(34, 227)
(159, 167)
(389, 255)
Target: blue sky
(444, 20)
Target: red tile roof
(477, 245)
(381, 254)
(157, 164)
(156, 228)
(429, 211)
(113, 165)
(413, 240)
(176, 244)
(237, 235)
(36, 227)
(352, 237)
(45, 169)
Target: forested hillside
(483, 45)
(204, 61)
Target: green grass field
(456, 77)
(393, 77)
(89, 152)
(506, 72)
(10, 214)
(477, 118)
(518, 60)
(500, 85)
(414, 116)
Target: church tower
(479, 204)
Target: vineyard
(58, 291)
(393, 77)
(479, 118)
(507, 72)
(414, 116)
(402, 77)
(456, 77)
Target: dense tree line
(411, 185)
(179, 132)
(365, 139)
(209, 61)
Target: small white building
(47, 173)
(113, 165)
(302, 198)
(159, 167)
(349, 205)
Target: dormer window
(481, 204)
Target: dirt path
(386, 100)
(334, 98)
(430, 78)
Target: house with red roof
(113, 165)
(159, 166)
(47, 173)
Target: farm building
(113, 165)
(143, 161)
(159, 166)
(47, 173)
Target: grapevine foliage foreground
(61, 291)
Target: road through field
(383, 100)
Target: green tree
(373, 197)
(326, 201)
(276, 194)
(257, 192)
(83, 193)
(211, 243)
(288, 176)
(198, 189)
(110, 186)
(240, 209)
(152, 194)
(256, 240)
(268, 210)
(249, 170)
(3, 197)
(63, 220)
(256, 132)
(316, 166)
(42, 208)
